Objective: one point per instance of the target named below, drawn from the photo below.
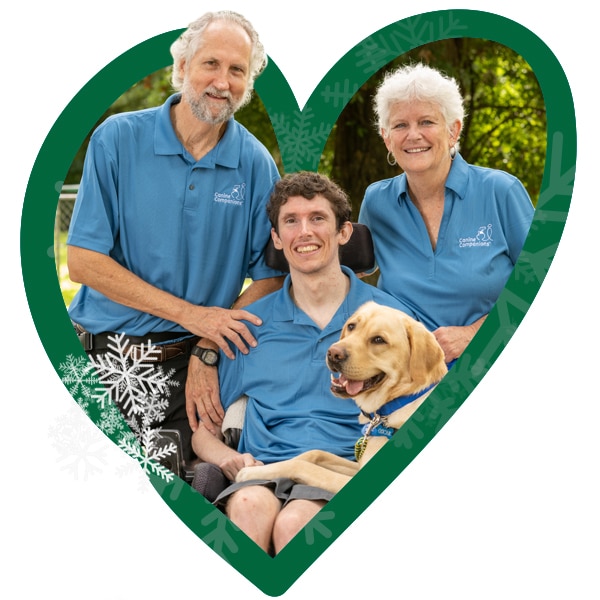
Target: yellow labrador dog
(388, 363)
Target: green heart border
(275, 575)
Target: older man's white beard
(201, 107)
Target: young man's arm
(211, 448)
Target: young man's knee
(254, 510)
(292, 518)
(250, 499)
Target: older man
(170, 220)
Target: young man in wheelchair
(290, 408)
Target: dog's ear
(427, 364)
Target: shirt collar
(284, 309)
(226, 153)
(457, 179)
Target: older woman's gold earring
(391, 159)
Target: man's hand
(202, 397)
(222, 325)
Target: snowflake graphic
(219, 537)
(77, 376)
(111, 420)
(300, 138)
(340, 93)
(130, 382)
(81, 451)
(387, 44)
(149, 454)
(130, 397)
(316, 527)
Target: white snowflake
(141, 392)
(154, 410)
(77, 376)
(111, 420)
(81, 450)
(129, 382)
(149, 457)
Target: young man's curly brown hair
(309, 184)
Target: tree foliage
(505, 126)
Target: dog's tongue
(352, 386)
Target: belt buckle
(87, 340)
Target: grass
(67, 287)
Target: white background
(502, 504)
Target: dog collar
(388, 408)
(374, 427)
(378, 430)
(377, 421)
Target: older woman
(447, 234)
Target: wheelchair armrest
(234, 421)
(209, 480)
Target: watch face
(206, 355)
(210, 357)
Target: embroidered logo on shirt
(483, 237)
(235, 197)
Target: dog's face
(383, 354)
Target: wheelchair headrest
(357, 254)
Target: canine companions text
(388, 363)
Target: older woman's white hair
(422, 83)
(186, 46)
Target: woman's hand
(455, 339)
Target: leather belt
(138, 347)
(161, 352)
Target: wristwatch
(206, 355)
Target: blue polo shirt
(290, 406)
(487, 215)
(195, 229)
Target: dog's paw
(242, 475)
(257, 472)
(247, 474)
